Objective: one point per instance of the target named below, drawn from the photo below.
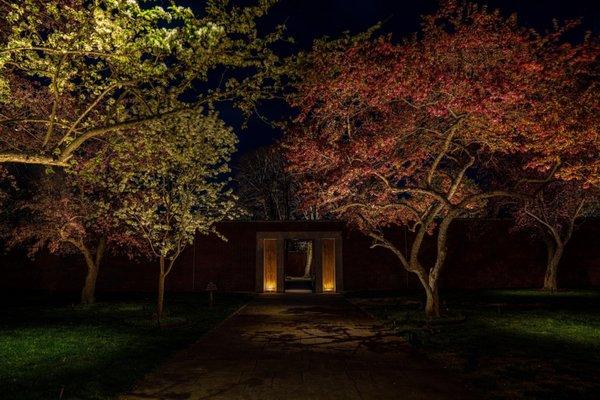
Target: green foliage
(171, 179)
(87, 69)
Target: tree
(171, 179)
(267, 191)
(67, 214)
(73, 70)
(265, 188)
(564, 155)
(553, 211)
(407, 134)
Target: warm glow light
(328, 265)
(270, 265)
(270, 287)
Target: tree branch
(18, 158)
(460, 177)
(95, 132)
(89, 109)
(383, 242)
(550, 228)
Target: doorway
(298, 266)
(299, 261)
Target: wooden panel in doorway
(328, 258)
(270, 264)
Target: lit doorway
(299, 261)
(299, 266)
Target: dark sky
(307, 20)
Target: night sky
(307, 20)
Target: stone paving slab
(297, 347)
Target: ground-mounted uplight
(270, 287)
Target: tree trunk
(551, 277)
(88, 292)
(429, 277)
(161, 291)
(309, 256)
(432, 306)
(89, 288)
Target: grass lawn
(97, 351)
(509, 344)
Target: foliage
(408, 133)
(66, 214)
(563, 119)
(171, 180)
(73, 70)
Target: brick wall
(482, 254)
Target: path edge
(128, 396)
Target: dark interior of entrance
(299, 266)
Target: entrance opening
(299, 261)
(299, 266)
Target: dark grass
(98, 351)
(507, 344)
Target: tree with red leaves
(408, 134)
(553, 212)
(564, 156)
(67, 213)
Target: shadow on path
(299, 347)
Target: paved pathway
(298, 347)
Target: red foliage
(426, 130)
(20, 128)
(374, 115)
(7, 184)
(66, 214)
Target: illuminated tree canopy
(405, 134)
(171, 183)
(73, 70)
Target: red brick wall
(482, 254)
